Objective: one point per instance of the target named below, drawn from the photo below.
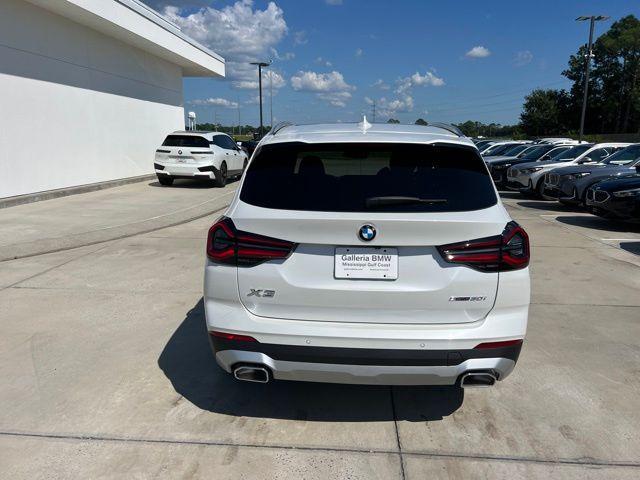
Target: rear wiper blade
(394, 200)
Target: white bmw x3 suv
(199, 155)
(367, 254)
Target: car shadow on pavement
(187, 183)
(510, 194)
(598, 223)
(188, 363)
(549, 206)
(631, 247)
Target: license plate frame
(366, 263)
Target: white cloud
(337, 99)
(324, 61)
(239, 32)
(359, 52)
(333, 2)
(330, 87)
(478, 52)
(381, 84)
(319, 82)
(405, 84)
(300, 38)
(523, 58)
(388, 108)
(267, 77)
(216, 102)
(282, 57)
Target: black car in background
(248, 146)
(617, 199)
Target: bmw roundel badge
(367, 233)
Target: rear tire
(165, 180)
(221, 178)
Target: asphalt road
(106, 371)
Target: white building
(88, 90)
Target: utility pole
(374, 111)
(271, 96)
(593, 19)
(239, 124)
(260, 65)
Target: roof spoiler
(448, 127)
(279, 126)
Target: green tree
(421, 121)
(393, 120)
(542, 112)
(614, 85)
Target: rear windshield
(185, 141)
(359, 177)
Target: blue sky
(441, 61)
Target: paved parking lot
(106, 370)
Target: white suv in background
(371, 254)
(199, 155)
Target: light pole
(260, 65)
(593, 19)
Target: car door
(235, 156)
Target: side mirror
(585, 160)
(545, 157)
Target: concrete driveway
(106, 373)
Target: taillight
(509, 251)
(232, 336)
(226, 244)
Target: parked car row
(602, 177)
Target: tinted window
(218, 141)
(624, 156)
(185, 141)
(515, 150)
(346, 177)
(573, 152)
(537, 152)
(555, 151)
(230, 144)
(498, 149)
(597, 154)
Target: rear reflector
(157, 166)
(507, 343)
(233, 336)
(509, 251)
(226, 244)
(208, 168)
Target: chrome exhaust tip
(248, 373)
(477, 379)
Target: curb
(65, 192)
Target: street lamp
(593, 19)
(260, 65)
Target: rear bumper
(365, 366)
(195, 171)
